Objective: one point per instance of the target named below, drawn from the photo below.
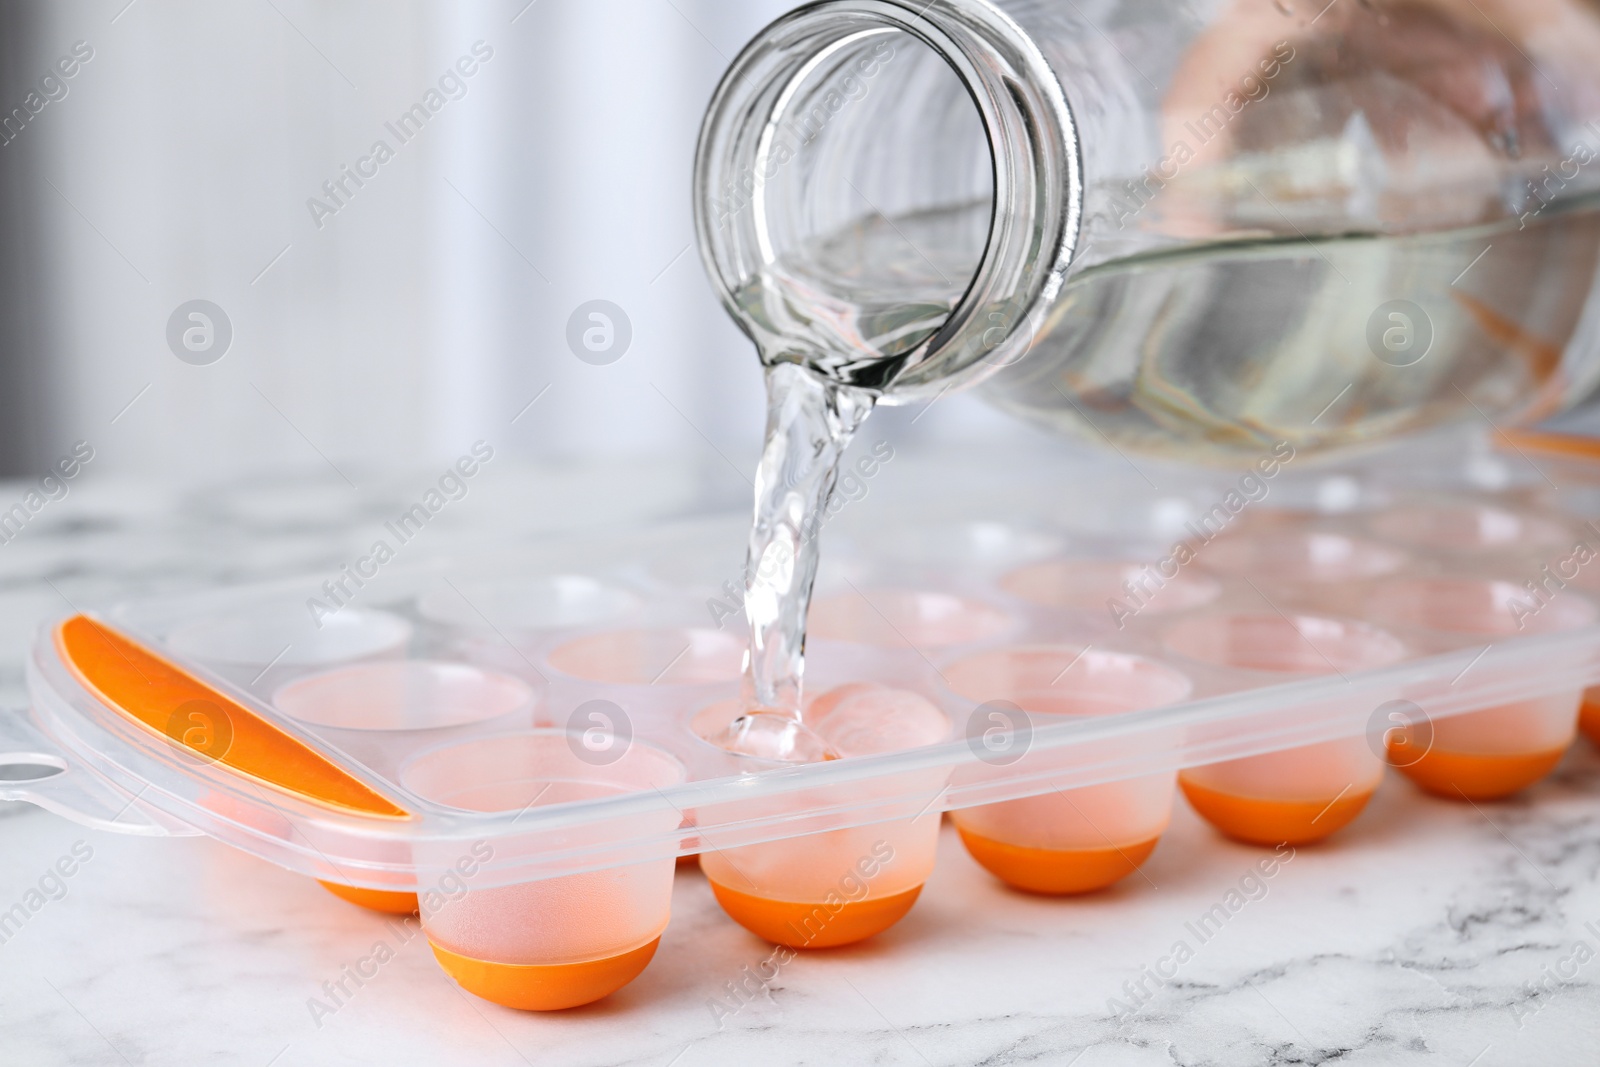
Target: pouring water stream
(810, 423)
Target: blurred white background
(433, 306)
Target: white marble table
(1430, 932)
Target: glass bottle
(1196, 228)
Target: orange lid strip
(148, 689)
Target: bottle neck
(844, 207)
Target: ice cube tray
(513, 742)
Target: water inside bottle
(1218, 351)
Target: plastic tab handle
(163, 697)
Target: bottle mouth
(889, 192)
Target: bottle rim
(1037, 184)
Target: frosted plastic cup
(1299, 556)
(670, 656)
(557, 942)
(1068, 840)
(526, 605)
(839, 886)
(501, 622)
(404, 696)
(263, 647)
(890, 634)
(603, 686)
(647, 671)
(1300, 794)
(1470, 529)
(377, 711)
(1110, 586)
(1483, 755)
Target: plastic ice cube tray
(518, 738)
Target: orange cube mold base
(1056, 872)
(1261, 821)
(545, 986)
(806, 925)
(389, 901)
(1459, 775)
